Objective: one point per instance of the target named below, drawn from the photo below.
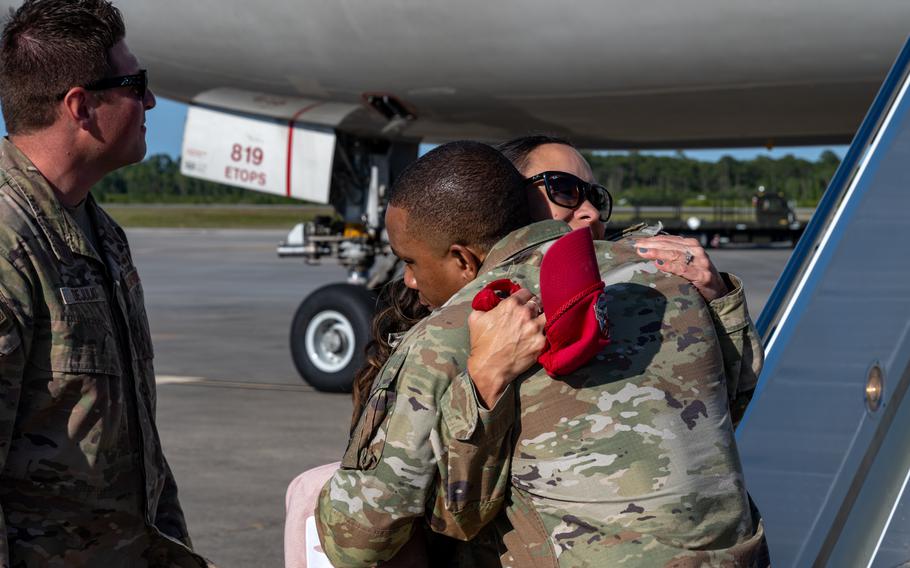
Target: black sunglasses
(569, 191)
(139, 83)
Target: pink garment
(299, 504)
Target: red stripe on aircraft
(291, 140)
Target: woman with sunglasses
(566, 191)
(561, 186)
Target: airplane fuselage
(614, 73)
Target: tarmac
(236, 421)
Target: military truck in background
(770, 219)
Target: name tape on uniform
(84, 295)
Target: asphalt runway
(236, 421)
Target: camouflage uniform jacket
(83, 480)
(740, 343)
(425, 448)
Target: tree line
(634, 179)
(158, 180)
(641, 179)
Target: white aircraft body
(303, 79)
(607, 73)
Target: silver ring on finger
(689, 257)
(537, 309)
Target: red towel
(570, 286)
(493, 293)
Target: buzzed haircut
(48, 47)
(517, 150)
(464, 193)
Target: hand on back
(687, 259)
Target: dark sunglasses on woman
(570, 191)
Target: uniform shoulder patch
(131, 279)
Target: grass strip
(286, 216)
(213, 216)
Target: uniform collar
(521, 240)
(63, 234)
(111, 238)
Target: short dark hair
(47, 47)
(517, 150)
(463, 193)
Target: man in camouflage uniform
(83, 480)
(628, 461)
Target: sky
(165, 135)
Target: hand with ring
(505, 342)
(685, 258)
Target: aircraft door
(824, 441)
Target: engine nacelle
(299, 148)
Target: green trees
(634, 179)
(638, 180)
(158, 180)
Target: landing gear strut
(331, 328)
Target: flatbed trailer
(769, 220)
(714, 235)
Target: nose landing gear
(329, 333)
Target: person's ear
(78, 108)
(467, 261)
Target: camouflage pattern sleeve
(398, 466)
(365, 512)
(13, 348)
(478, 459)
(740, 345)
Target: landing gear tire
(329, 334)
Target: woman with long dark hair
(398, 308)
